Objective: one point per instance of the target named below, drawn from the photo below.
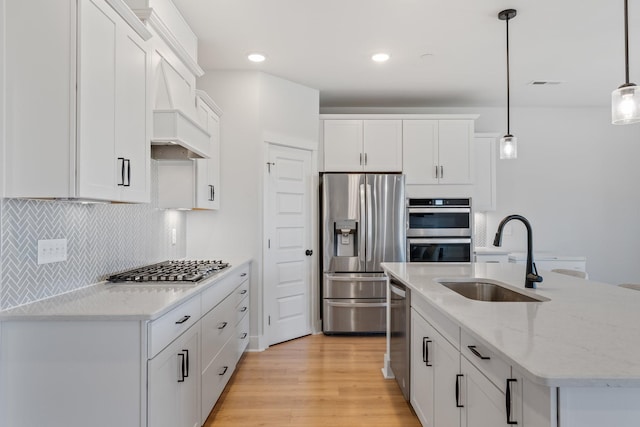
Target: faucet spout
(532, 277)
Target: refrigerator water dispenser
(346, 238)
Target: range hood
(177, 134)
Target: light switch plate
(52, 250)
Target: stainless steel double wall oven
(439, 230)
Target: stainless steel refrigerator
(362, 225)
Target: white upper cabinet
(79, 128)
(208, 170)
(363, 145)
(438, 151)
(484, 191)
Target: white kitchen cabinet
(362, 145)
(484, 402)
(484, 190)
(438, 151)
(174, 383)
(436, 382)
(194, 183)
(92, 137)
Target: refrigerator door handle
(369, 248)
(362, 250)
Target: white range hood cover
(175, 118)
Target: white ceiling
(327, 45)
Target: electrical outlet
(52, 250)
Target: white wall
(257, 107)
(575, 179)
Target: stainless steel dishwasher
(401, 335)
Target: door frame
(314, 289)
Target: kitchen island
(571, 360)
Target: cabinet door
(96, 158)
(132, 118)
(485, 404)
(450, 397)
(422, 370)
(455, 153)
(420, 151)
(484, 190)
(343, 146)
(174, 383)
(382, 145)
(208, 170)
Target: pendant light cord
(626, 41)
(508, 85)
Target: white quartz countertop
(115, 301)
(587, 334)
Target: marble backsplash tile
(101, 239)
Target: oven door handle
(437, 240)
(438, 210)
(356, 304)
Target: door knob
(308, 252)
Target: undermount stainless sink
(486, 291)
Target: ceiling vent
(544, 82)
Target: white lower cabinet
(484, 402)
(174, 383)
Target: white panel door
(287, 267)
(420, 151)
(456, 151)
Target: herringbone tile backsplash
(101, 239)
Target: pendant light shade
(508, 143)
(625, 101)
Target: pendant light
(625, 101)
(508, 143)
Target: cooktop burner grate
(171, 271)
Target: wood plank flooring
(317, 380)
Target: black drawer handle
(243, 336)
(222, 325)
(242, 292)
(184, 319)
(477, 353)
(243, 309)
(243, 274)
(223, 371)
(508, 400)
(182, 372)
(425, 351)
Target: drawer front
(216, 376)
(243, 290)
(448, 329)
(217, 327)
(217, 292)
(487, 361)
(167, 328)
(354, 316)
(348, 286)
(242, 309)
(242, 333)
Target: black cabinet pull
(243, 336)
(121, 184)
(508, 400)
(243, 274)
(213, 193)
(477, 353)
(187, 364)
(242, 292)
(128, 172)
(181, 379)
(243, 309)
(222, 325)
(425, 351)
(223, 371)
(184, 319)
(308, 252)
(458, 405)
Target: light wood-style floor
(317, 380)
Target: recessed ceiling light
(381, 57)
(256, 57)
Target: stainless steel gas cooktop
(171, 271)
